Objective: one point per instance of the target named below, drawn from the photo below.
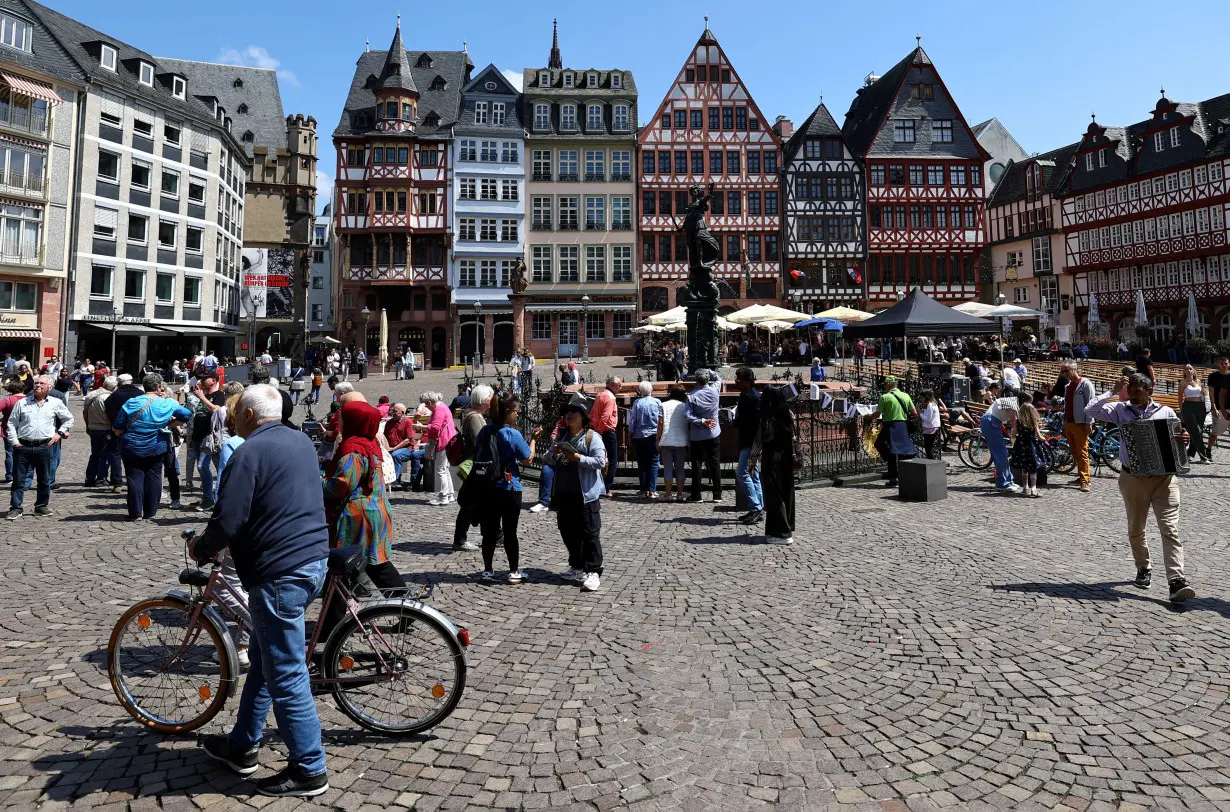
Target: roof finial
(399, 21)
(706, 21)
(822, 97)
(1163, 93)
(465, 46)
(367, 46)
(1094, 117)
(556, 61)
(918, 39)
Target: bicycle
(393, 665)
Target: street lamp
(367, 318)
(477, 359)
(585, 328)
(1003, 323)
(115, 320)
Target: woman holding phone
(579, 459)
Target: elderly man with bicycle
(271, 514)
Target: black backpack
(488, 467)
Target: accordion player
(1152, 449)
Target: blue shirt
(143, 436)
(644, 416)
(228, 448)
(702, 406)
(817, 374)
(513, 449)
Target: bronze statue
(519, 279)
(703, 248)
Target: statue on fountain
(703, 248)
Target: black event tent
(919, 315)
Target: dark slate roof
(820, 124)
(1054, 165)
(1216, 115)
(978, 128)
(259, 91)
(396, 74)
(454, 66)
(529, 83)
(504, 91)
(47, 56)
(81, 42)
(872, 103)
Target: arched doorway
(411, 339)
(439, 345)
(502, 340)
(473, 337)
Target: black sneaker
(219, 749)
(291, 782)
(42, 510)
(204, 506)
(755, 517)
(1180, 591)
(747, 517)
(1144, 578)
(14, 513)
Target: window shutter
(109, 218)
(200, 141)
(111, 105)
(144, 114)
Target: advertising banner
(267, 290)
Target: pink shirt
(604, 414)
(441, 428)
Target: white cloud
(254, 56)
(513, 76)
(324, 190)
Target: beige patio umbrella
(845, 315)
(757, 313)
(384, 339)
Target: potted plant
(1199, 350)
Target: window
(621, 165)
(196, 191)
(620, 119)
(568, 164)
(1102, 157)
(1174, 136)
(146, 76)
(544, 78)
(487, 230)
(595, 165)
(753, 203)
(480, 112)
(916, 175)
(941, 131)
(166, 234)
(621, 263)
(595, 214)
(617, 80)
(540, 259)
(568, 117)
(106, 58)
(487, 189)
(108, 166)
(1042, 254)
(770, 247)
(732, 247)
(569, 263)
(134, 284)
(508, 230)
(733, 206)
(903, 131)
(106, 222)
(621, 325)
(193, 239)
(732, 163)
(896, 174)
(569, 80)
(489, 152)
(541, 166)
(170, 183)
(593, 117)
(542, 116)
(467, 189)
(877, 174)
(956, 175)
(100, 280)
(179, 87)
(508, 190)
(497, 112)
(753, 248)
(486, 273)
(172, 133)
(466, 276)
(164, 287)
(595, 263)
(1088, 161)
(591, 80)
(681, 162)
(540, 326)
(715, 163)
(621, 213)
(595, 326)
(468, 152)
(568, 213)
(728, 118)
(740, 118)
(138, 228)
(715, 114)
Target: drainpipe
(75, 219)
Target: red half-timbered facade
(391, 218)
(1146, 209)
(708, 129)
(925, 195)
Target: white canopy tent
(757, 313)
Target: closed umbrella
(1095, 319)
(1193, 315)
(384, 339)
(1142, 318)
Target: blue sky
(1041, 67)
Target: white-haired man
(104, 448)
(35, 426)
(271, 513)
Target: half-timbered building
(1026, 244)
(824, 230)
(708, 129)
(1145, 209)
(392, 216)
(925, 197)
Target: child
(930, 409)
(1028, 452)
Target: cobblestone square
(980, 652)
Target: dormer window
(568, 80)
(1159, 141)
(1174, 136)
(146, 74)
(480, 112)
(439, 83)
(237, 83)
(106, 58)
(219, 113)
(424, 61)
(15, 33)
(432, 120)
(617, 80)
(542, 116)
(544, 78)
(179, 87)
(592, 80)
(243, 109)
(248, 137)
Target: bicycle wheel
(978, 453)
(427, 664)
(164, 688)
(1107, 449)
(1062, 460)
(963, 450)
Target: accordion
(1152, 449)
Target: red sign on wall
(48, 352)
(243, 346)
(260, 280)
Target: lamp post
(115, 320)
(367, 319)
(585, 328)
(1003, 322)
(478, 336)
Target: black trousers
(580, 526)
(499, 527)
(461, 529)
(169, 464)
(931, 446)
(706, 452)
(144, 475)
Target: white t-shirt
(675, 419)
(1004, 409)
(1011, 379)
(930, 418)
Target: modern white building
(320, 290)
(488, 215)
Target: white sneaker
(1014, 488)
(438, 502)
(572, 575)
(591, 582)
(516, 577)
(653, 494)
(778, 540)
(242, 656)
(539, 508)
(717, 500)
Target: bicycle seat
(346, 562)
(191, 577)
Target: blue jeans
(545, 485)
(8, 459)
(416, 461)
(993, 434)
(279, 673)
(749, 483)
(611, 442)
(647, 462)
(26, 460)
(55, 462)
(208, 484)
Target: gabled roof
(871, 104)
(820, 124)
(258, 90)
(1054, 166)
(46, 56)
(396, 73)
(454, 66)
(504, 91)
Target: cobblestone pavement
(981, 652)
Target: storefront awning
(576, 307)
(195, 330)
(29, 87)
(21, 333)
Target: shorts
(674, 459)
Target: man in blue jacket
(141, 424)
(704, 431)
(271, 513)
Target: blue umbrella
(825, 325)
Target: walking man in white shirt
(35, 426)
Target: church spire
(556, 62)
